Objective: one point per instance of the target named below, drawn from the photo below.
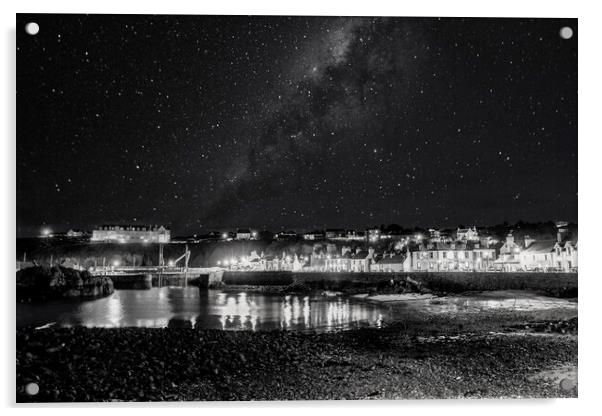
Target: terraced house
(459, 256)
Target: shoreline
(490, 355)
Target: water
(213, 309)
(161, 307)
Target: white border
(590, 153)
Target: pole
(186, 266)
(160, 264)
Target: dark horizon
(205, 123)
(514, 225)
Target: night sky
(210, 122)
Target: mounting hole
(32, 389)
(567, 384)
(566, 32)
(32, 28)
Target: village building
(509, 257)
(467, 256)
(338, 263)
(131, 234)
(314, 235)
(76, 233)
(550, 256)
(566, 256)
(558, 255)
(390, 263)
(437, 236)
(243, 234)
(353, 235)
(539, 256)
(467, 234)
(361, 260)
(287, 235)
(334, 233)
(373, 235)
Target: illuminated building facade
(435, 257)
(131, 234)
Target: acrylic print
(295, 208)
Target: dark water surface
(207, 309)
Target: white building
(509, 258)
(361, 260)
(313, 235)
(131, 234)
(550, 256)
(435, 257)
(566, 255)
(390, 263)
(243, 234)
(538, 256)
(467, 234)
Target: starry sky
(210, 122)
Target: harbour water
(160, 307)
(175, 306)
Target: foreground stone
(80, 364)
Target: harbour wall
(148, 280)
(555, 284)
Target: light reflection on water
(191, 307)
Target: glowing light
(116, 263)
(219, 262)
(226, 262)
(46, 232)
(225, 235)
(171, 263)
(254, 234)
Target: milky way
(205, 123)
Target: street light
(46, 232)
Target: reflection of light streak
(296, 308)
(237, 311)
(287, 315)
(114, 310)
(306, 311)
(221, 298)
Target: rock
(45, 283)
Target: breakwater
(148, 280)
(554, 284)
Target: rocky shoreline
(500, 355)
(41, 283)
